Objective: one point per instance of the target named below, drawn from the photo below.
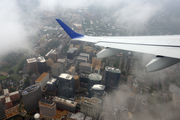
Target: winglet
(68, 30)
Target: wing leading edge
(166, 47)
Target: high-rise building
(84, 55)
(70, 54)
(53, 54)
(64, 104)
(31, 97)
(63, 62)
(72, 70)
(49, 62)
(95, 62)
(31, 64)
(56, 69)
(97, 69)
(98, 91)
(94, 78)
(85, 67)
(47, 108)
(2, 113)
(76, 79)
(51, 84)
(66, 86)
(41, 64)
(91, 107)
(112, 77)
(81, 59)
(43, 79)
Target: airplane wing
(166, 48)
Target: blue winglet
(68, 30)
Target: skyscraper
(112, 77)
(66, 86)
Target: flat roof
(84, 54)
(6, 91)
(31, 60)
(61, 60)
(98, 87)
(95, 76)
(41, 59)
(97, 67)
(49, 52)
(85, 64)
(30, 88)
(92, 100)
(42, 77)
(14, 93)
(7, 99)
(64, 101)
(112, 69)
(81, 58)
(51, 81)
(47, 103)
(66, 76)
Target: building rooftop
(98, 87)
(97, 67)
(6, 92)
(51, 81)
(112, 69)
(30, 88)
(41, 59)
(42, 77)
(84, 54)
(92, 101)
(76, 77)
(85, 64)
(14, 93)
(7, 99)
(12, 111)
(31, 60)
(95, 76)
(81, 58)
(61, 60)
(56, 65)
(64, 101)
(66, 76)
(47, 103)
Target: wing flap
(150, 49)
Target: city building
(85, 67)
(73, 49)
(96, 62)
(41, 64)
(63, 62)
(84, 55)
(91, 107)
(76, 79)
(43, 79)
(81, 59)
(2, 112)
(72, 70)
(8, 98)
(64, 104)
(57, 69)
(97, 69)
(51, 84)
(47, 108)
(31, 97)
(53, 54)
(70, 54)
(98, 91)
(31, 64)
(94, 78)
(112, 77)
(84, 77)
(176, 99)
(66, 86)
(49, 62)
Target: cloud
(13, 32)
